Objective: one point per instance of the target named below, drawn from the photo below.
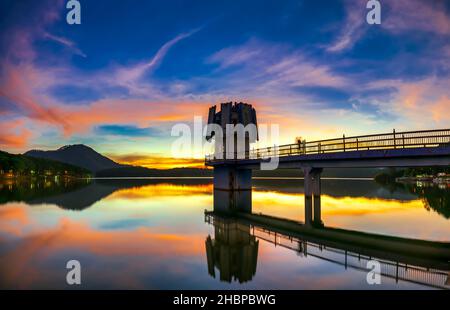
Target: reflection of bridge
(417, 261)
(396, 149)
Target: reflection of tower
(233, 114)
(234, 251)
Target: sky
(131, 70)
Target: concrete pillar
(312, 195)
(308, 196)
(231, 178)
(316, 188)
(232, 201)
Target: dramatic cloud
(13, 135)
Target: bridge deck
(403, 149)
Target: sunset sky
(119, 81)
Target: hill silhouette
(79, 155)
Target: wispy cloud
(232, 56)
(352, 29)
(417, 15)
(67, 43)
(399, 16)
(424, 102)
(129, 77)
(275, 65)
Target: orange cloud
(441, 109)
(16, 88)
(136, 111)
(19, 84)
(13, 135)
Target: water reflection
(417, 261)
(152, 234)
(35, 191)
(435, 197)
(267, 195)
(235, 250)
(80, 194)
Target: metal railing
(389, 268)
(392, 140)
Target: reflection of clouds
(160, 190)
(132, 239)
(134, 251)
(273, 201)
(385, 216)
(13, 218)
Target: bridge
(426, 148)
(238, 230)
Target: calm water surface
(154, 234)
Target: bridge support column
(312, 195)
(308, 196)
(316, 193)
(228, 202)
(230, 178)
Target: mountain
(79, 155)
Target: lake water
(155, 234)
